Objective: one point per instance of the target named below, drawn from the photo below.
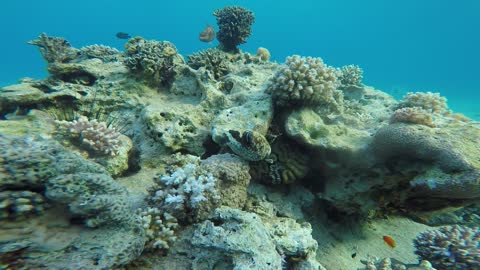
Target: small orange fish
(389, 241)
(208, 34)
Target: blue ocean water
(402, 46)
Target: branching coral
(235, 26)
(213, 59)
(351, 75)
(431, 102)
(54, 49)
(185, 191)
(414, 115)
(451, 247)
(94, 135)
(159, 228)
(306, 80)
(152, 60)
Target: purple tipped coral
(451, 247)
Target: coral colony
(226, 160)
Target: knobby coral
(451, 247)
(159, 228)
(96, 136)
(351, 75)
(235, 26)
(306, 80)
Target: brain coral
(451, 247)
(306, 80)
(235, 26)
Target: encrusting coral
(414, 115)
(235, 26)
(306, 80)
(14, 204)
(450, 248)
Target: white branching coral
(431, 102)
(159, 228)
(96, 136)
(185, 189)
(306, 80)
(450, 247)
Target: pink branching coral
(414, 115)
(96, 136)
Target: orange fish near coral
(389, 241)
(208, 34)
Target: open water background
(402, 46)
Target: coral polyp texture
(451, 247)
(235, 26)
(151, 60)
(306, 80)
(93, 134)
(431, 102)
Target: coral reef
(29, 164)
(431, 102)
(235, 26)
(306, 80)
(153, 61)
(451, 247)
(94, 135)
(414, 115)
(242, 163)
